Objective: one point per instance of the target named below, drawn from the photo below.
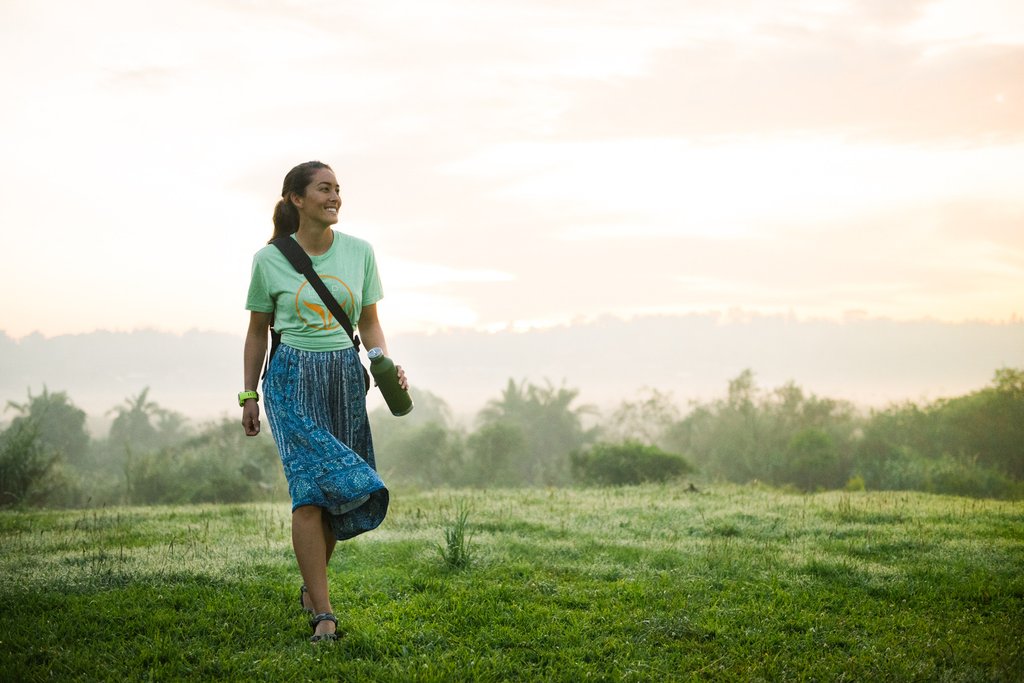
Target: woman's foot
(325, 627)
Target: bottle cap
(375, 352)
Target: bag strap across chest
(301, 262)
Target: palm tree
(552, 427)
(132, 425)
(59, 423)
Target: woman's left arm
(371, 334)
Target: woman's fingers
(251, 419)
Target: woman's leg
(311, 551)
(330, 540)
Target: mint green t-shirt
(348, 268)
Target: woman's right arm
(253, 355)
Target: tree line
(151, 455)
(534, 434)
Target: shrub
(219, 465)
(630, 462)
(497, 450)
(424, 455)
(905, 469)
(810, 461)
(855, 483)
(25, 463)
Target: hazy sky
(517, 163)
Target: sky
(517, 164)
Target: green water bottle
(385, 374)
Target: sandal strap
(323, 616)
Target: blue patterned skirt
(316, 406)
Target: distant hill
(871, 362)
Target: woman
(314, 388)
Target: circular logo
(314, 313)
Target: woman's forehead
(325, 175)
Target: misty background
(691, 357)
(143, 449)
(776, 241)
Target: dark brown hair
(286, 216)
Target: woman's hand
(402, 380)
(251, 417)
(253, 354)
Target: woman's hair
(286, 216)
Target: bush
(219, 465)
(496, 453)
(855, 483)
(965, 478)
(626, 463)
(810, 461)
(25, 463)
(905, 469)
(423, 455)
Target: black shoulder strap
(300, 260)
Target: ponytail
(286, 216)
(286, 219)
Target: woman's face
(322, 199)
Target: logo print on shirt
(314, 313)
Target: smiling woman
(313, 385)
(318, 198)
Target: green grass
(631, 584)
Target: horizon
(724, 318)
(871, 363)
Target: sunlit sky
(517, 163)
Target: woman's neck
(315, 239)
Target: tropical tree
(25, 463)
(495, 451)
(969, 444)
(217, 464)
(724, 437)
(143, 425)
(423, 447)
(58, 424)
(552, 425)
(782, 436)
(426, 454)
(645, 420)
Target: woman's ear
(296, 199)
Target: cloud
(730, 186)
(414, 274)
(549, 159)
(839, 81)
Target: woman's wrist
(244, 396)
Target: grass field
(634, 584)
